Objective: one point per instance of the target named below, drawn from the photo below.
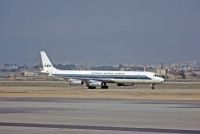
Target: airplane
(99, 79)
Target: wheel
(91, 87)
(104, 87)
(152, 86)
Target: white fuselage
(110, 76)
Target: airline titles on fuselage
(106, 73)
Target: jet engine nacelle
(95, 83)
(75, 82)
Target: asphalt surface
(92, 116)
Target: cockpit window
(156, 75)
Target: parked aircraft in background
(94, 79)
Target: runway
(98, 116)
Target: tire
(104, 87)
(91, 87)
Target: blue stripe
(143, 77)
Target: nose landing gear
(153, 86)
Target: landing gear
(104, 86)
(153, 86)
(91, 87)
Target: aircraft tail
(46, 63)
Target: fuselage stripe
(143, 77)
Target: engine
(95, 83)
(75, 82)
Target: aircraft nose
(162, 79)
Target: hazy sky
(99, 31)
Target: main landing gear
(104, 85)
(91, 87)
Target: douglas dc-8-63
(94, 79)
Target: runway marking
(155, 130)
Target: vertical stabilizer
(46, 63)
